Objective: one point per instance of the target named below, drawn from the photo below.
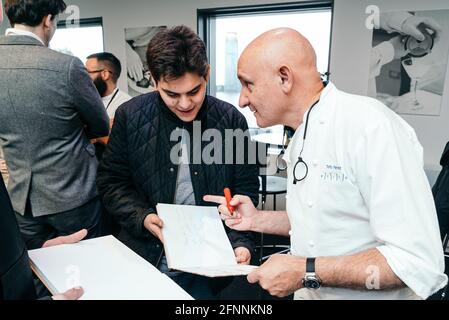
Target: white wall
(351, 45)
(118, 15)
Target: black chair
(270, 186)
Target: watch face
(311, 283)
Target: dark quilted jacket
(441, 193)
(136, 172)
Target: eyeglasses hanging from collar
(301, 169)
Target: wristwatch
(311, 280)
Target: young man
(138, 172)
(49, 109)
(360, 211)
(105, 69)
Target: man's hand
(242, 219)
(72, 238)
(72, 294)
(242, 255)
(281, 275)
(103, 140)
(398, 47)
(134, 64)
(154, 224)
(411, 24)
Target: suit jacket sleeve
(115, 184)
(87, 101)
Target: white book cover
(106, 269)
(195, 241)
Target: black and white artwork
(408, 62)
(136, 42)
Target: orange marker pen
(228, 196)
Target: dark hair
(174, 52)
(110, 61)
(31, 12)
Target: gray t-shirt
(184, 191)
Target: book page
(106, 269)
(194, 237)
(221, 271)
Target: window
(80, 41)
(226, 32)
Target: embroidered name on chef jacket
(333, 173)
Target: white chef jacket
(119, 99)
(366, 188)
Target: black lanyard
(110, 101)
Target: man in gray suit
(49, 109)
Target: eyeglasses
(101, 70)
(301, 169)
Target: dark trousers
(200, 288)
(37, 230)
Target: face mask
(100, 84)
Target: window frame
(204, 16)
(82, 23)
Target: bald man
(360, 212)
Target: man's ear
(47, 21)
(285, 75)
(106, 75)
(207, 76)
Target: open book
(195, 241)
(106, 269)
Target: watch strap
(310, 265)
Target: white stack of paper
(106, 269)
(195, 241)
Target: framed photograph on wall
(138, 76)
(408, 62)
